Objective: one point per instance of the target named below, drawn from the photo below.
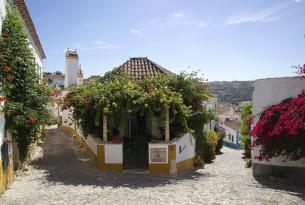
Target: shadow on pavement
(65, 162)
(295, 188)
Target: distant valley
(232, 91)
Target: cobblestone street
(65, 175)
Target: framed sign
(158, 155)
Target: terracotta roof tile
(141, 67)
(234, 124)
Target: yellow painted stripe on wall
(186, 164)
(101, 161)
(7, 176)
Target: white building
(212, 107)
(272, 91)
(35, 45)
(29, 27)
(73, 72)
(232, 130)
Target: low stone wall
(110, 156)
(167, 158)
(172, 157)
(269, 92)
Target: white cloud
(179, 14)
(298, 1)
(136, 32)
(96, 45)
(266, 15)
(199, 24)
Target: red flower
(26, 126)
(4, 35)
(7, 69)
(250, 120)
(32, 120)
(9, 78)
(2, 98)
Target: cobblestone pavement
(65, 175)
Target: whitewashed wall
(185, 147)
(71, 68)
(113, 153)
(2, 12)
(91, 141)
(272, 91)
(233, 133)
(33, 46)
(157, 145)
(67, 119)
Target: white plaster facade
(71, 68)
(232, 136)
(159, 145)
(2, 12)
(34, 47)
(185, 147)
(269, 92)
(38, 53)
(113, 153)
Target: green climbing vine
(117, 95)
(26, 99)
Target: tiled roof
(141, 67)
(234, 124)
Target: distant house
(212, 107)
(232, 130)
(54, 80)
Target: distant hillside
(232, 92)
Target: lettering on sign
(158, 154)
(181, 148)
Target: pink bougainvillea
(281, 130)
(301, 70)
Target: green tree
(25, 108)
(245, 128)
(58, 73)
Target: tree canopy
(118, 95)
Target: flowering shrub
(25, 99)
(281, 130)
(117, 95)
(301, 70)
(247, 119)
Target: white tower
(71, 68)
(80, 76)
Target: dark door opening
(136, 143)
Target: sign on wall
(158, 154)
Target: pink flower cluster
(301, 70)
(280, 127)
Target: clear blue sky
(227, 40)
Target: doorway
(135, 146)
